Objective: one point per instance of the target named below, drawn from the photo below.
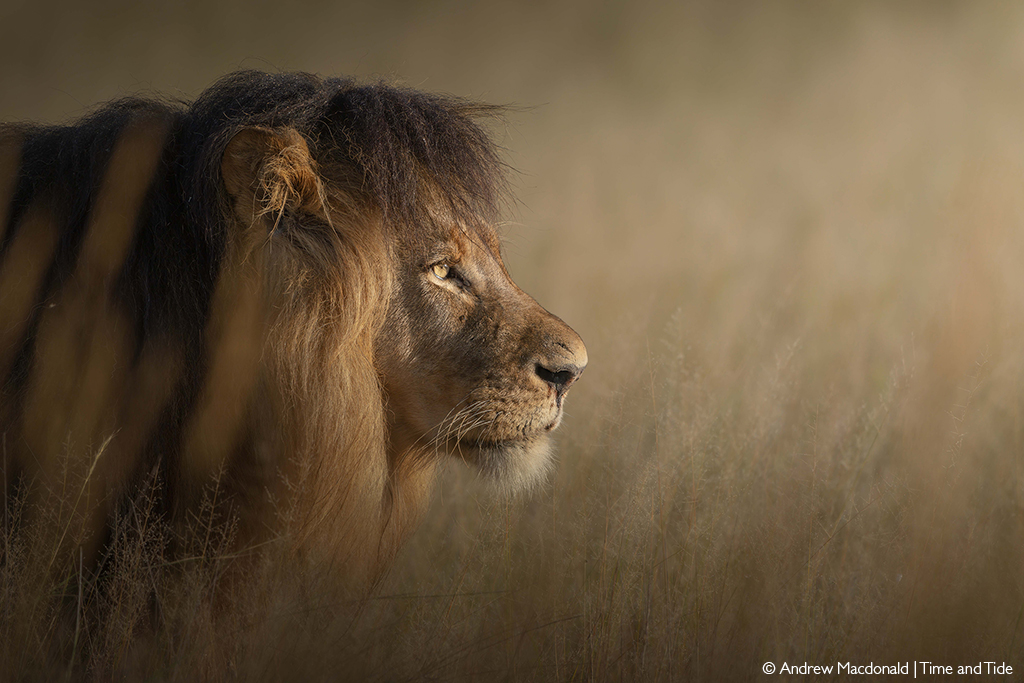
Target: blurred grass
(789, 233)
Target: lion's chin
(514, 466)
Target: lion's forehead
(468, 239)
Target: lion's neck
(406, 495)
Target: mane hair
(181, 301)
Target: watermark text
(910, 668)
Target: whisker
(452, 422)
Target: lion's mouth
(502, 444)
(498, 433)
(496, 444)
(524, 435)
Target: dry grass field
(792, 236)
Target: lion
(290, 293)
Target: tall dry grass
(791, 236)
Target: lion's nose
(564, 362)
(561, 378)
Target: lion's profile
(290, 289)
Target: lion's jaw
(473, 367)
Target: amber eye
(441, 271)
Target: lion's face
(472, 366)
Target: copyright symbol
(769, 668)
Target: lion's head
(471, 364)
(311, 307)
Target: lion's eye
(441, 271)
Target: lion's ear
(267, 171)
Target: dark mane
(390, 138)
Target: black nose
(561, 378)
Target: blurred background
(790, 234)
